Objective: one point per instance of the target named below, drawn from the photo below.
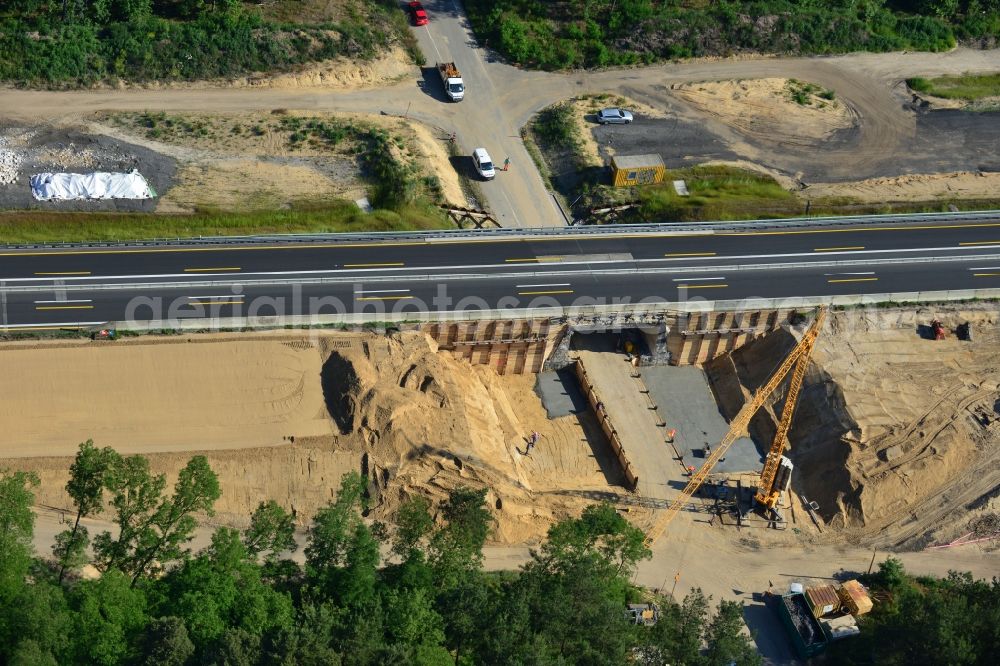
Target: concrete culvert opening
(340, 383)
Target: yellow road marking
(703, 286)
(64, 307)
(690, 254)
(993, 242)
(66, 273)
(834, 249)
(854, 280)
(534, 259)
(382, 298)
(372, 265)
(239, 302)
(210, 270)
(543, 293)
(985, 274)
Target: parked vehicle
(454, 87)
(483, 163)
(614, 117)
(418, 14)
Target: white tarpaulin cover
(67, 186)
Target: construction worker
(532, 441)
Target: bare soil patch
(915, 187)
(281, 156)
(777, 109)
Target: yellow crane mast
(767, 494)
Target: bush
(598, 33)
(38, 46)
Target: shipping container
(855, 598)
(637, 170)
(823, 599)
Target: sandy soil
(915, 187)
(337, 74)
(896, 435)
(764, 108)
(415, 421)
(162, 397)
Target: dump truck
(803, 628)
(454, 87)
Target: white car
(614, 116)
(484, 164)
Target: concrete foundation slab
(687, 404)
(560, 392)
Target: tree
(458, 545)
(272, 530)
(166, 643)
(39, 614)
(221, 588)
(30, 653)
(602, 535)
(308, 642)
(727, 644)
(342, 555)
(135, 493)
(17, 526)
(86, 488)
(456, 561)
(413, 523)
(109, 614)
(153, 529)
(236, 647)
(678, 634)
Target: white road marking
(226, 296)
(865, 273)
(433, 43)
(697, 279)
(78, 300)
(511, 204)
(554, 284)
(47, 325)
(381, 291)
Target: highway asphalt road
(90, 285)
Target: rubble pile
(10, 164)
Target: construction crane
(767, 491)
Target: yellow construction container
(822, 599)
(855, 598)
(629, 170)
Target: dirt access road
(502, 98)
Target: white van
(484, 165)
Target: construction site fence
(606, 425)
